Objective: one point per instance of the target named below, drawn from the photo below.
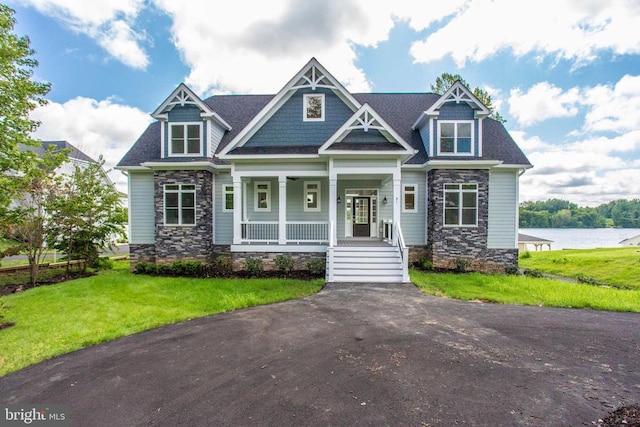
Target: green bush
(525, 255)
(512, 270)
(533, 273)
(461, 265)
(188, 269)
(315, 266)
(146, 268)
(223, 266)
(101, 263)
(424, 264)
(254, 266)
(285, 264)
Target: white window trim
(455, 139)
(179, 191)
(184, 154)
(314, 190)
(304, 107)
(415, 198)
(255, 196)
(459, 191)
(226, 190)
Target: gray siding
(503, 205)
(216, 136)
(141, 208)
(296, 199)
(223, 219)
(287, 127)
(413, 223)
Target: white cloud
(109, 22)
(588, 172)
(258, 44)
(96, 127)
(541, 102)
(574, 30)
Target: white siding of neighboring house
(141, 208)
(413, 223)
(503, 210)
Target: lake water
(582, 238)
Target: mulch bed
(11, 289)
(628, 416)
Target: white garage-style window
(455, 137)
(185, 139)
(179, 204)
(313, 107)
(312, 196)
(409, 194)
(262, 199)
(461, 205)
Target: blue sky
(568, 82)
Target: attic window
(455, 137)
(313, 107)
(186, 139)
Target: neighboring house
(315, 171)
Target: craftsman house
(361, 180)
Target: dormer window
(455, 137)
(313, 107)
(186, 139)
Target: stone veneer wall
(470, 243)
(179, 242)
(141, 253)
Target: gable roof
(313, 75)
(365, 119)
(74, 152)
(182, 96)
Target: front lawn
(526, 291)
(53, 320)
(619, 267)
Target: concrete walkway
(352, 354)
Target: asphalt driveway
(352, 354)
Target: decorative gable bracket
(457, 93)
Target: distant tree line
(557, 213)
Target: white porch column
(333, 207)
(397, 195)
(282, 210)
(237, 210)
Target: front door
(361, 217)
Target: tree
(19, 95)
(28, 213)
(87, 214)
(446, 80)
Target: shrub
(187, 268)
(101, 263)
(525, 255)
(315, 266)
(533, 273)
(424, 264)
(223, 266)
(285, 264)
(512, 270)
(589, 281)
(146, 268)
(254, 266)
(461, 265)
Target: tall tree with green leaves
(446, 80)
(19, 95)
(87, 215)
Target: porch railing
(304, 231)
(387, 230)
(404, 251)
(297, 231)
(263, 231)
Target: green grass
(619, 267)
(53, 320)
(7, 243)
(526, 291)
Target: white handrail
(404, 251)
